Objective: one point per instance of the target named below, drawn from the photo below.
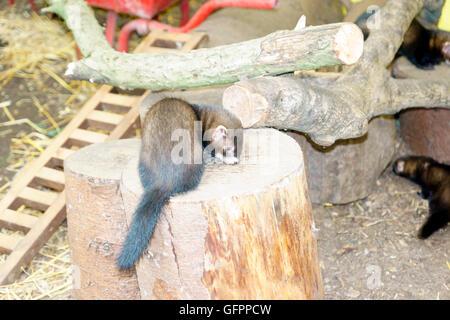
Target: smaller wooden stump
(96, 220)
(425, 131)
(347, 171)
(244, 233)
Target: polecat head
(411, 166)
(226, 143)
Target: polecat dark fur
(423, 46)
(434, 178)
(162, 173)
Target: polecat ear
(220, 133)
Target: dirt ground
(367, 249)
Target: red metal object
(145, 9)
(142, 26)
(184, 12)
(33, 6)
(111, 22)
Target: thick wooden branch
(384, 41)
(78, 17)
(409, 93)
(276, 53)
(339, 107)
(288, 103)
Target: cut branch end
(349, 43)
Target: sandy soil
(369, 249)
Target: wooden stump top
(103, 160)
(268, 157)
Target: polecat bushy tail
(173, 136)
(144, 222)
(434, 178)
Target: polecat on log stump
(434, 178)
(168, 166)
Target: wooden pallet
(40, 185)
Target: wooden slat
(164, 35)
(34, 239)
(17, 221)
(58, 159)
(85, 137)
(50, 178)
(119, 100)
(28, 175)
(130, 119)
(195, 39)
(36, 199)
(160, 49)
(63, 153)
(103, 120)
(8, 242)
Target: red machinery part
(145, 9)
(184, 12)
(111, 22)
(33, 6)
(142, 26)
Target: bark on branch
(329, 108)
(276, 53)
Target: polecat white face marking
(161, 176)
(225, 145)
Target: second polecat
(174, 135)
(434, 178)
(423, 44)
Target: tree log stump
(348, 170)
(425, 131)
(96, 220)
(245, 233)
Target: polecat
(168, 166)
(434, 178)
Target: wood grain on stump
(244, 233)
(96, 221)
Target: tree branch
(384, 41)
(339, 107)
(79, 18)
(276, 53)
